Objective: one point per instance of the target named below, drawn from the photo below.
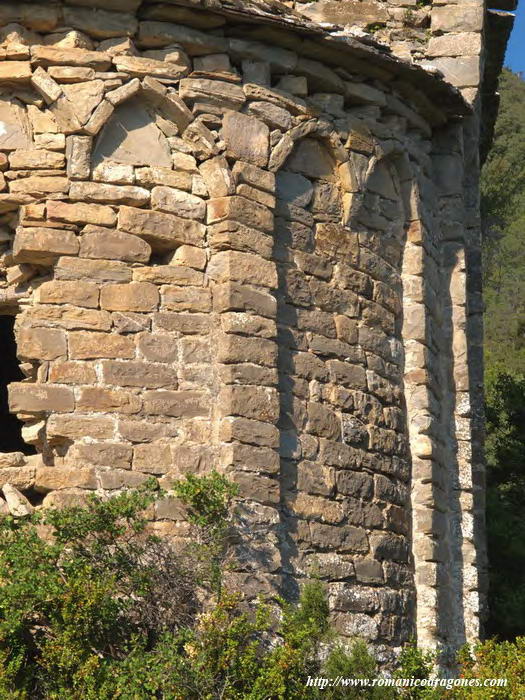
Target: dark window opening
(10, 427)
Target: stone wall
(227, 248)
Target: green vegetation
(99, 609)
(92, 607)
(505, 448)
(494, 660)
(503, 216)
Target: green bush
(492, 659)
(505, 450)
(99, 609)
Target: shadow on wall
(344, 445)
(10, 427)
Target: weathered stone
(22, 478)
(196, 43)
(256, 177)
(15, 71)
(312, 159)
(36, 159)
(16, 129)
(139, 66)
(259, 403)
(43, 245)
(274, 116)
(38, 398)
(85, 98)
(246, 138)
(445, 19)
(186, 299)
(84, 345)
(113, 194)
(41, 343)
(69, 74)
(113, 245)
(242, 267)
(264, 198)
(236, 297)
(124, 92)
(131, 136)
(218, 177)
(78, 154)
(162, 231)
(114, 173)
(64, 114)
(130, 322)
(390, 547)
(99, 118)
(323, 422)
(99, 23)
(157, 175)
(315, 479)
(463, 71)
(58, 56)
(119, 478)
(81, 213)
(294, 188)
(39, 185)
(139, 374)
(178, 404)
(72, 373)
(344, 538)
(178, 202)
(57, 478)
(153, 459)
(233, 349)
(97, 270)
(69, 316)
(136, 296)
(293, 104)
(242, 210)
(168, 274)
(17, 503)
(231, 235)
(225, 95)
(189, 256)
(460, 44)
(169, 104)
(102, 454)
(75, 427)
(52, 142)
(158, 348)
(104, 400)
(188, 324)
(249, 431)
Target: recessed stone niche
(131, 136)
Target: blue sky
(515, 57)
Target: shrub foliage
(94, 607)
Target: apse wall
(224, 254)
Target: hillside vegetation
(503, 208)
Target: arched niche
(131, 136)
(137, 125)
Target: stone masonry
(235, 239)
